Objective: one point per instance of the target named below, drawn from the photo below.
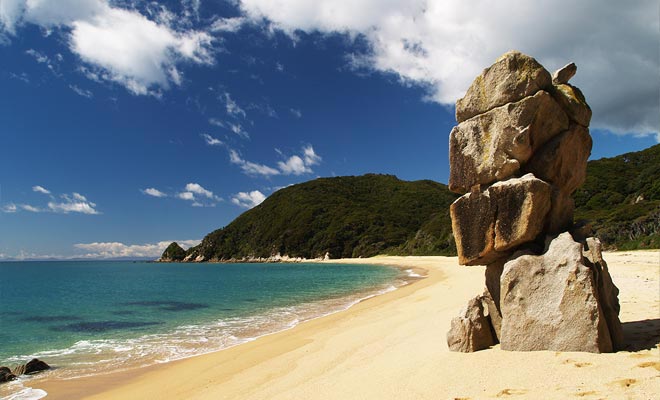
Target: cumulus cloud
(73, 203)
(153, 192)
(248, 199)
(238, 129)
(443, 45)
(118, 249)
(40, 189)
(198, 189)
(186, 196)
(296, 165)
(118, 44)
(210, 140)
(198, 195)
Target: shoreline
(403, 332)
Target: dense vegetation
(361, 216)
(350, 216)
(621, 199)
(173, 252)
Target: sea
(95, 317)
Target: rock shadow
(168, 305)
(641, 335)
(51, 318)
(102, 326)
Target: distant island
(363, 216)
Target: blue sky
(125, 125)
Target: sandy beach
(393, 347)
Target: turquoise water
(99, 316)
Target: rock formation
(173, 253)
(31, 367)
(517, 155)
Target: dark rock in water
(471, 330)
(33, 366)
(173, 253)
(6, 375)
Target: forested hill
(621, 199)
(362, 216)
(349, 216)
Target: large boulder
(471, 330)
(564, 74)
(608, 293)
(488, 224)
(512, 77)
(563, 160)
(551, 302)
(33, 366)
(573, 102)
(493, 146)
(6, 375)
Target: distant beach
(393, 346)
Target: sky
(125, 125)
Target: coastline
(393, 346)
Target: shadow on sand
(641, 335)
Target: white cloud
(154, 192)
(198, 189)
(311, 158)
(68, 203)
(118, 249)
(217, 122)
(232, 107)
(40, 189)
(198, 195)
(228, 24)
(81, 92)
(443, 45)
(186, 196)
(210, 140)
(294, 166)
(30, 208)
(74, 203)
(238, 129)
(123, 45)
(9, 208)
(248, 199)
(251, 168)
(296, 112)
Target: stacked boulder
(517, 155)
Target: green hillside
(621, 199)
(362, 216)
(351, 216)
